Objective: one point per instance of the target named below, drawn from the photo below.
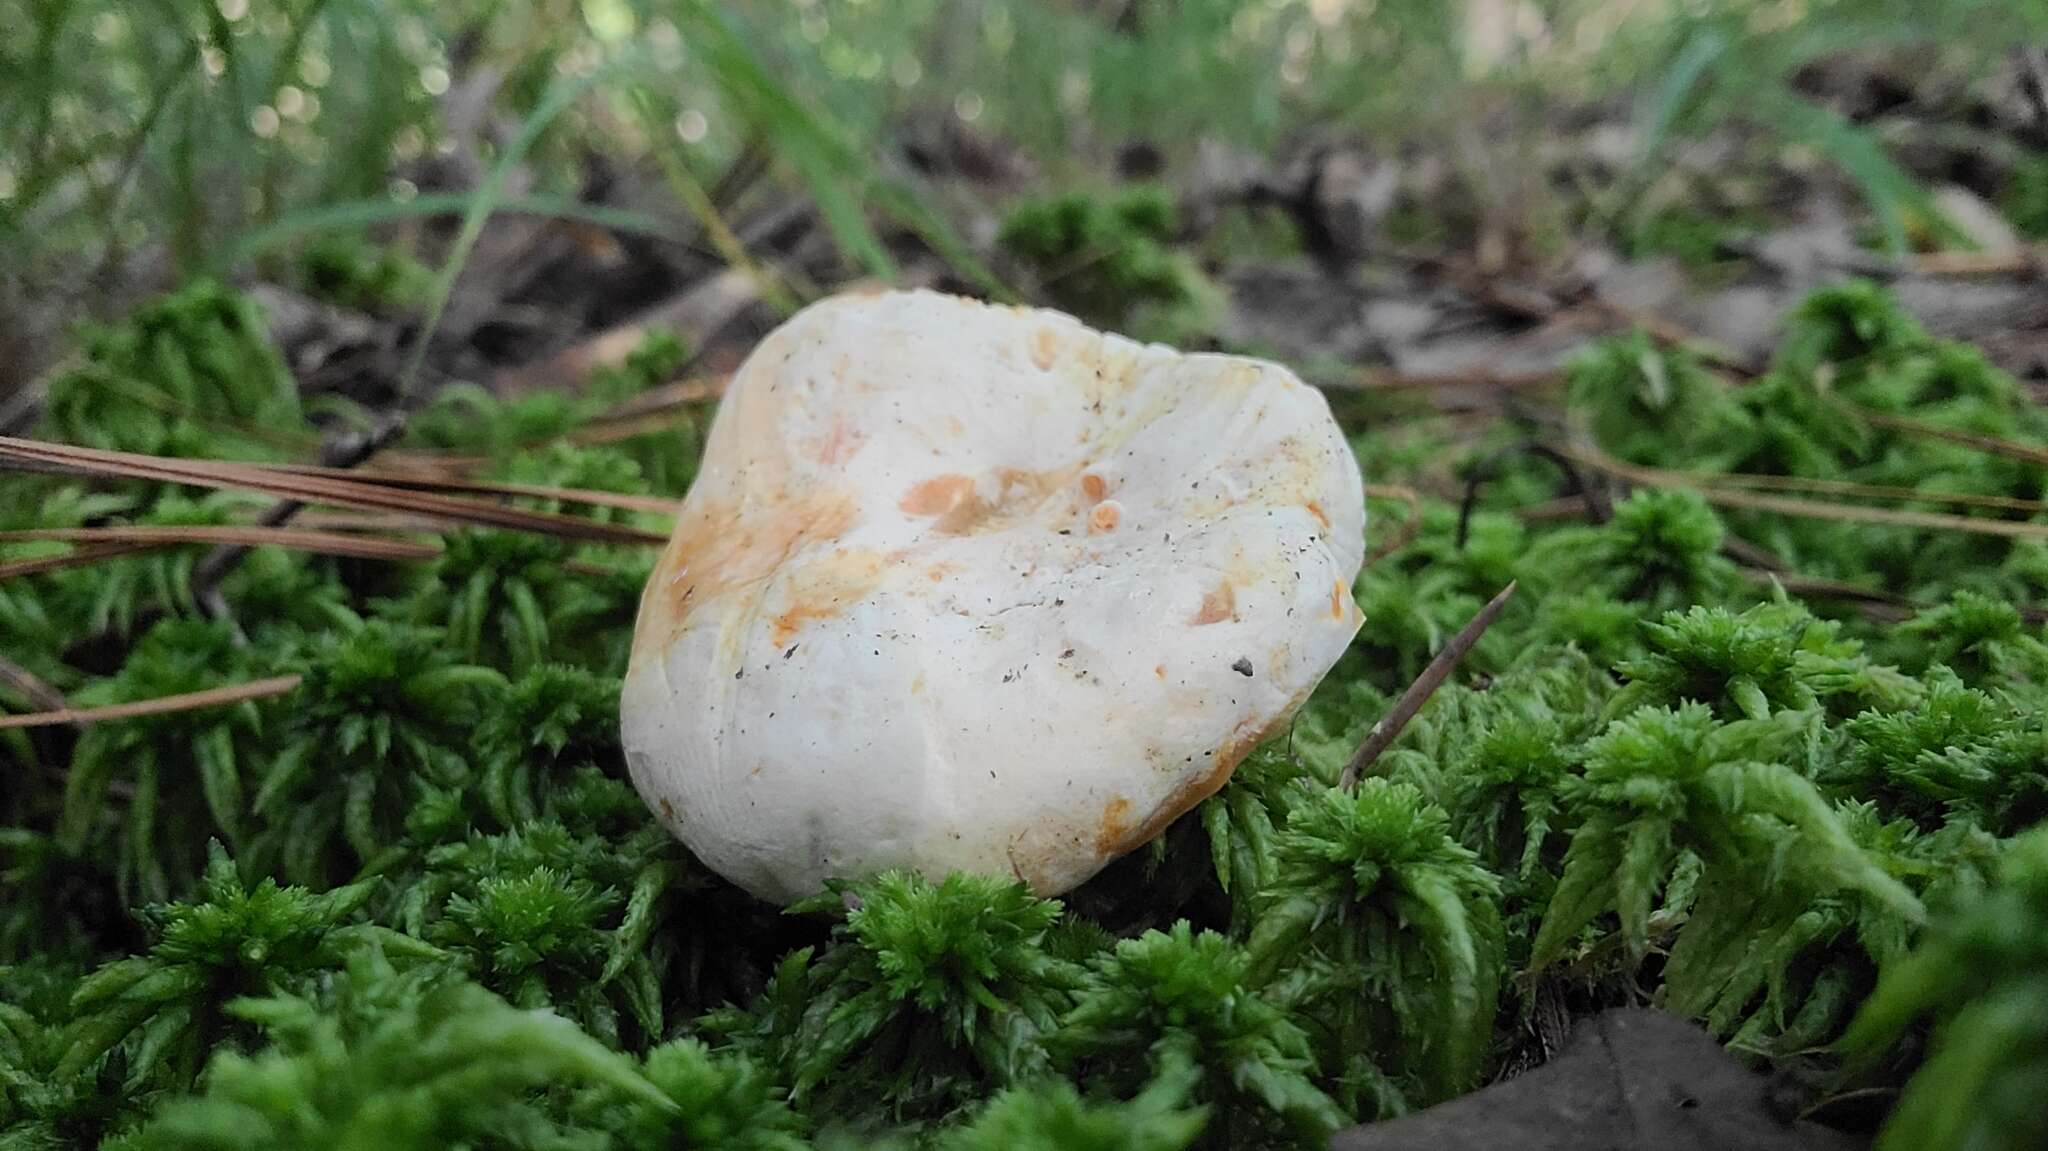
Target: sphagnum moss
(438, 915)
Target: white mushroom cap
(970, 587)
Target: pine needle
(26, 684)
(2011, 449)
(295, 539)
(17, 569)
(317, 489)
(162, 705)
(1805, 509)
(411, 481)
(1870, 491)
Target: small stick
(162, 705)
(1389, 728)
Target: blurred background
(506, 192)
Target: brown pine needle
(2011, 449)
(668, 397)
(1871, 491)
(2024, 261)
(1384, 381)
(30, 687)
(1806, 509)
(369, 522)
(317, 489)
(411, 481)
(16, 569)
(615, 431)
(1390, 726)
(295, 539)
(162, 705)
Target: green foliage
(1054, 1117)
(1978, 637)
(470, 419)
(1180, 997)
(192, 374)
(526, 436)
(514, 599)
(383, 712)
(1240, 823)
(555, 719)
(1644, 403)
(1772, 657)
(1662, 782)
(2026, 197)
(1405, 933)
(352, 273)
(1653, 778)
(1662, 548)
(402, 1061)
(550, 917)
(113, 594)
(1108, 258)
(1854, 326)
(1956, 752)
(1696, 239)
(928, 996)
(1983, 974)
(233, 939)
(185, 776)
(707, 1102)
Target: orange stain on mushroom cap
(1105, 516)
(824, 589)
(839, 445)
(960, 507)
(937, 495)
(1093, 486)
(1115, 827)
(1045, 348)
(1339, 600)
(1218, 605)
(1192, 791)
(716, 549)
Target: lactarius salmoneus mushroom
(971, 587)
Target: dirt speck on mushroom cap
(1095, 510)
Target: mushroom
(963, 586)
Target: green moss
(1656, 775)
(1110, 259)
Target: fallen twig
(1390, 726)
